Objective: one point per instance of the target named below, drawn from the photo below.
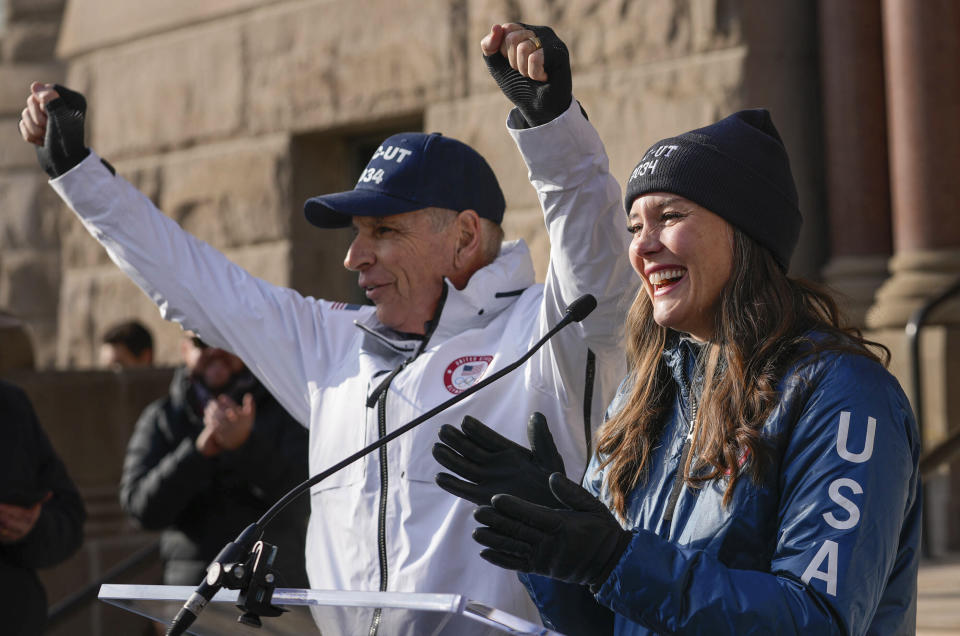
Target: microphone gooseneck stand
(246, 562)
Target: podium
(328, 613)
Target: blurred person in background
(208, 459)
(126, 345)
(41, 513)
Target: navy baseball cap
(411, 171)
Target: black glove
(63, 146)
(538, 102)
(581, 544)
(493, 464)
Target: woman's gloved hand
(490, 464)
(581, 543)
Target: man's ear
(468, 236)
(468, 255)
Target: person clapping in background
(208, 459)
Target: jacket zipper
(382, 512)
(678, 480)
(684, 456)
(380, 395)
(589, 377)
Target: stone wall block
(231, 195)
(28, 41)
(15, 81)
(333, 63)
(33, 9)
(94, 24)
(43, 338)
(716, 24)
(95, 298)
(30, 281)
(29, 288)
(612, 34)
(166, 92)
(16, 347)
(29, 218)
(75, 329)
(14, 153)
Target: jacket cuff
(605, 592)
(557, 151)
(89, 186)
(92, 162)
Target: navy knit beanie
(738, 169)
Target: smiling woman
(725, 451)
(757, 472)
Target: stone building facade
(230, 113)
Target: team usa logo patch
(463, 372)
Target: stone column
(855, 140)
(922, 48)
(780, 73)
(923, 91)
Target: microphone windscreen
(581, 307)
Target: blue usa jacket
(828, 544)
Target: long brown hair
(761, 328)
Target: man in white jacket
(449, 308)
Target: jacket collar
(681, 355)
(490, 291)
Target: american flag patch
(345, 306)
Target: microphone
(581, 307)
(575, 312)
(212, 582)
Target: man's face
(211, 366)
(402, 260)
(116, 356)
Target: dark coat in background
(29, 469)
(201, 503)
